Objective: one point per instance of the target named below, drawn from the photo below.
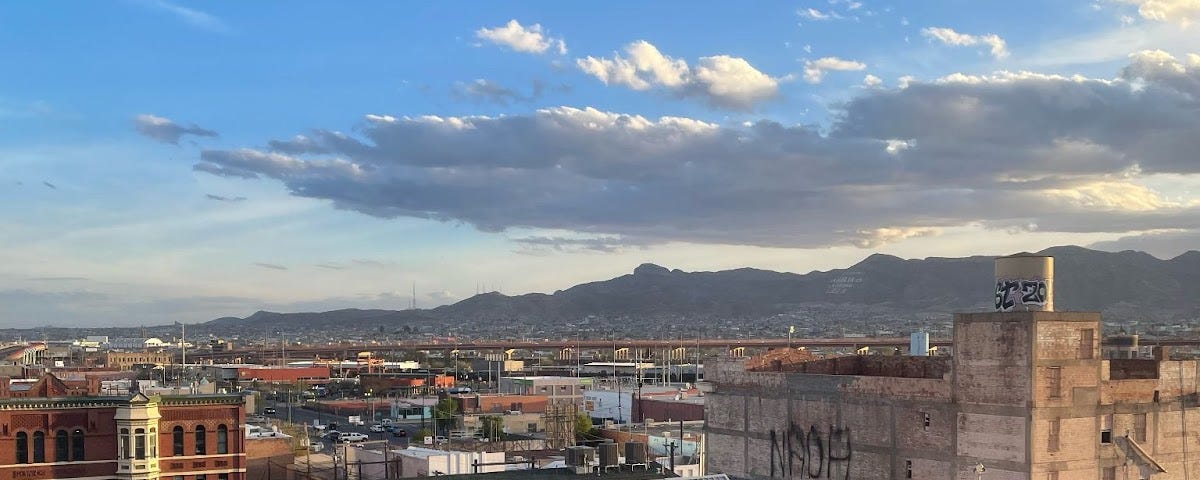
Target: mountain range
(1130, 285)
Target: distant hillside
(1124, 282)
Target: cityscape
(828, 239)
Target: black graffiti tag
(796, 453)
(1005, 298)
(1033, 292)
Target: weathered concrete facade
(1026, 396)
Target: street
(305, 416)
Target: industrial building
(1025, 395)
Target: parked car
(377, 429)
(399, 432)
(256, 419)
(347, 437)
(331, 435)
(269, 411)
(440, 439)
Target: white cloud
(817, 15)
(193, 17)
(1183, 12)
(724, 81)
(1002, 151)
(520, 38)
(948, 36)
(814, 70)
(167, 131)
(871, 81)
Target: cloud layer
(167, 131)
(723, 81)
(1019, 151)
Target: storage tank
(918, 344)
(1024, 283)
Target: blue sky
(151, 170)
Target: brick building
(1026, 395)
(46, 433)
(126, 360)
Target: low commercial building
(559, 390)
(499, 403)
(244, 374)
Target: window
(77, 451)
(139, 444)
(199, 477)
(153, 440)
(908, 469)
(62, 444)
(532, 427)
(222, 439)
(125, 447)
(1106, 424)
(1054, 430)
(222, 476)
(1108, 473)
(928, 420)
(177, 441)
(39, 447)
(201, 448)
(1139, 427)
(1086, 343)
(1054, 381)
(22, 447)
(1052, 476)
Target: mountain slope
(1129, 283)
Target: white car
(378, 428)
(348, 437)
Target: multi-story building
(45, 433)
(127, 360)
(560, 390)
(1026, 395)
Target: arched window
(139, 444)
(177, 441)
(39, 447)
(62, 444)
(77, 451)
(22, 447)
(201, 448)
(125, 449)
(222, 439)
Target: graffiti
(844, 283)
(1010, 293)
(800, 453)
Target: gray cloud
(272, 266)
(330, 266)
(167, 131)
(1007, 151)
(57, 279)
(50, 185)
(220, 198)
(482, 90)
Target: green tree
(492, 427)
(421, 434)
(443, 414)
(584, 430)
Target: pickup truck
(347, 437)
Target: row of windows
(177, 437)
(220, 476)
(67, 447)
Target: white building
(427, 462)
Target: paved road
(306, 417)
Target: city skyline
(180, 161)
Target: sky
(167, 161)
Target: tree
(443, 413)
(584, 430)
(492, 427)
(422, 433)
